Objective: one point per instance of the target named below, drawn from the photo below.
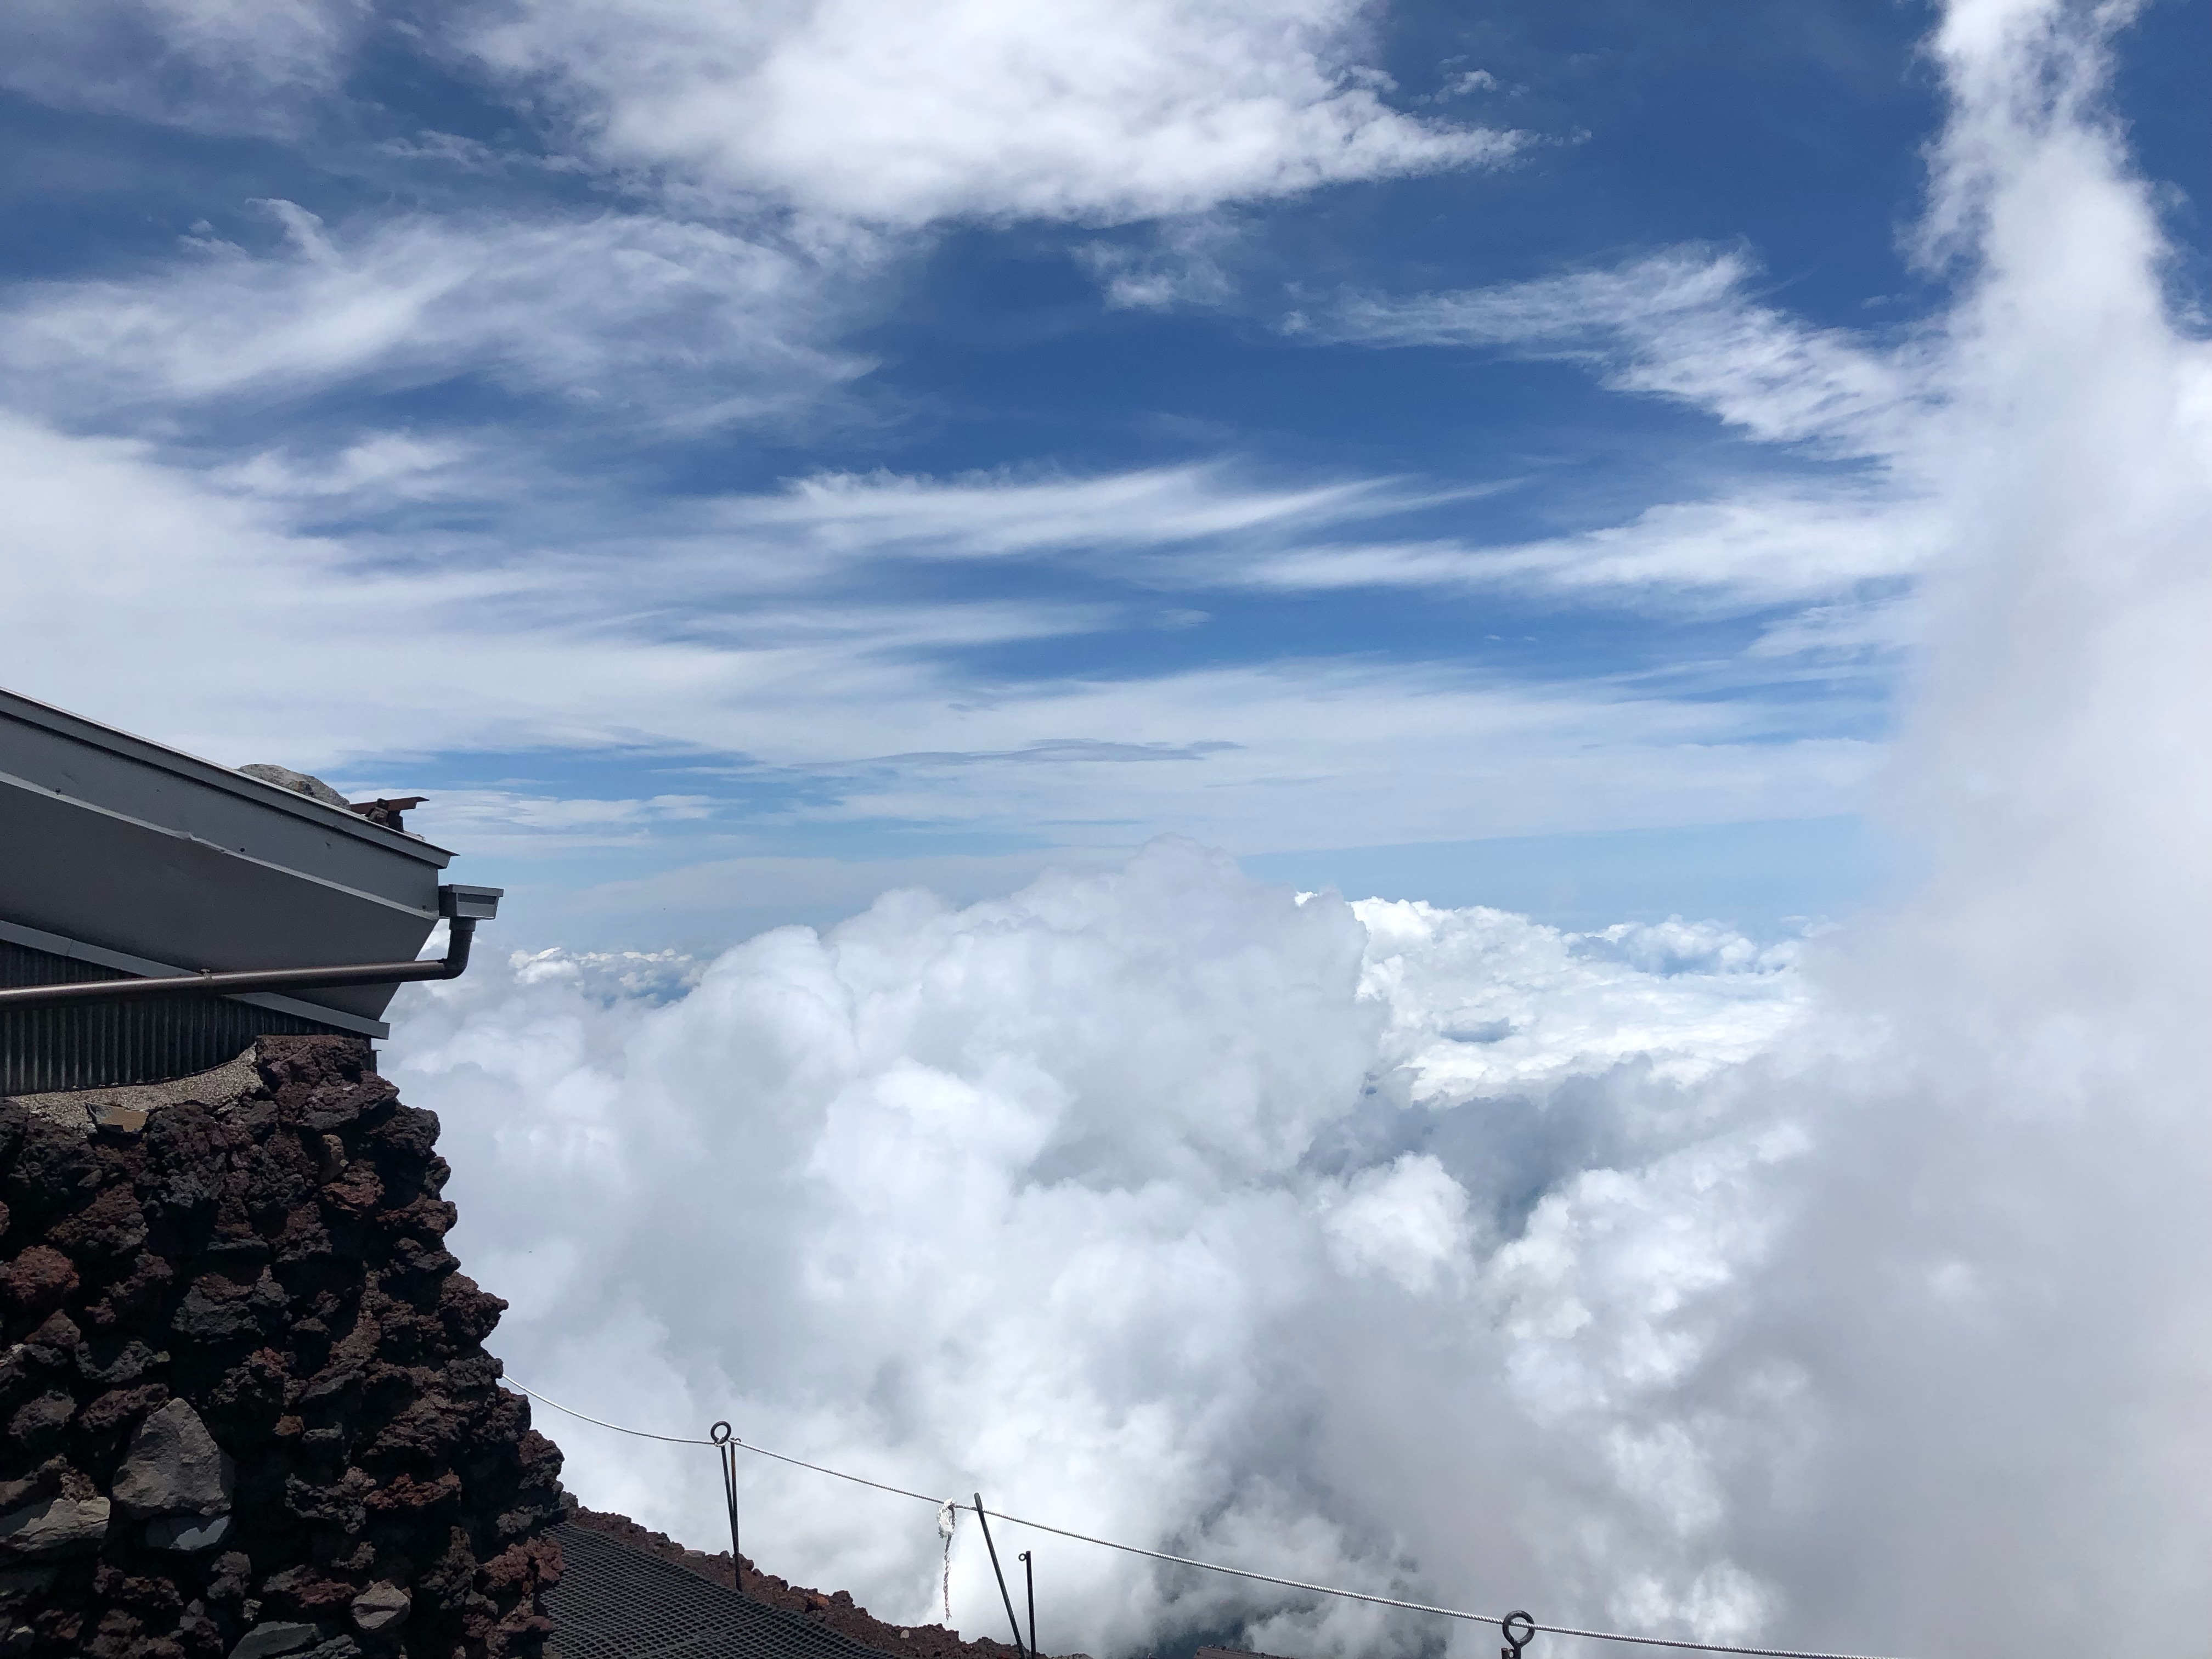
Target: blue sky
(738, 460)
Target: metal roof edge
(82, 729)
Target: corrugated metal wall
(95, 1044)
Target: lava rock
(36, 1279)
(110, 1225)
(238, 1327)
(39, 1425)
(118, 1405)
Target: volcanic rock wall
(247, 1406)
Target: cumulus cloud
(1408, 1220)
(1483, 1005)
(652, 977)
(1068, 1195)
(901, 114)
(1647, 1277)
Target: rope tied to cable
(948, 1517)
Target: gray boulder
(174, 1466)
(381, 1606)
(60, 1526)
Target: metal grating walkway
(615, 1602)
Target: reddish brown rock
(112, 1225)
(36, 1280)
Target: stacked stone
(247, 1406)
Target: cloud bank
(1086, 1196)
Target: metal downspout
(453, 901)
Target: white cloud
(1484, 1003)
(1347, 755)
(901, 114)
(646, 975)
(1030, 1195)
(1761, 546)
(855, 110)
(495, 820)
(389, 465)
(1202, 526)
(741, 628)
(1405, 1219)
(998, 515)
(1180, 263)
(653, 320)
(1684, 325)
(1680, 324)
(1466, 81)
(1832, 632)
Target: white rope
(948, 1517)
(948, 1508)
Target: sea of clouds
(1161, 1203)
(1852, 1293)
